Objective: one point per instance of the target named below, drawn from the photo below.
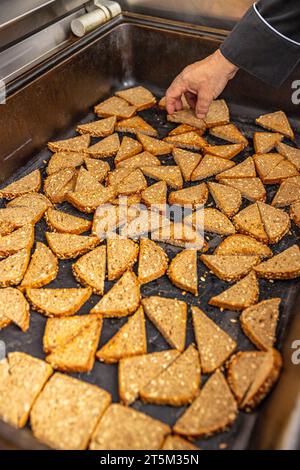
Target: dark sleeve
(266, 42)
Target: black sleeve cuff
(260, 51)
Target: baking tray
(74, 83)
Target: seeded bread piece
(195, 195)
(187, 162)
(63, 160)
(295, 213)
(105, 148)
(189, 141)
(230, 267)
(183, 271)
(28, 184)
(291, 153)
(98, 168)
(14, 307)
(239, 244)
(122, 254)
(264, 142)
(62, 222)
(155, 195)
(135, 182)
(210, 165)
(136, 125)
(230, 133)
(246, 169)
(281, 172)
(57, 302)
(13, 268)
(287, 194)
(187, 116)
(22, 238)
(115, 106)
(225, 151)
(285, 265)
(216, 222)
(36, 201)
(265, 163)
(138, 96)
(42, 269)
(214, 410)
(153, 261)
(276, 222)
(154, 146)
(170, 174)
(183, 129)
(277, 122)
(228, 200)
(89, 270)
(89, 201)
(129, 148)
(241, 295)
(6, 228)
(58, 185)
(218, 114)
(68, 246)
(75, 144)
(250, 188)
(174, 443)
(102, 128)
(249, 222)
(139, 161)
(86, 181)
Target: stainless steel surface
(99, 13)
(216, 13)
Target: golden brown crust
(240, 244)
(57, 302)
(107, 147)
(43, 268)
(136, 125)
(68, 246)
(14, 307)
(241, 295)
(230, 133)
(183, 271)
(277, 122)
(190, 141)
(230, 267)
(102, 128)
(89, 201)
(122, 254)
(115, 106)
(28, 184)
(153, 261)
(13, 268)
(22, 238)
(90, 270)
(62, 222)
(285, 265)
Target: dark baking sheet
(105, 376)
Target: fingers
(191, 99)
(203, 104)
(173, 96)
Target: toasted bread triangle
(260, 321)
(295, 213)
(68, 246)
(14, 307)
(285, 265)
(36, 201)
(62, 160)
(174, 442)
(291, 153)
(239, 244)
(249, 222)
(230, 133)
(218, 114)
(116, 176)
(58, 302)
(180, 234)
(285, 169)
(115, 106)
(13, 268)
(138, 96)
(76, 144)
(122, 254)
(169, 316)
(214, 344)
(178, 384)
(264, 142)
(210, 166)
(102, 128)
(153, 261)
(187, 116)
(139, 161)
(286, 194)
(107, 147)
(228, 200)
(137, 371)
(190, 141)
(86, 181)
(217, 222)
(129, 341)
(28, 184)
(241, 295)
(89, 270)
(187, 162)
(213, 411)
(183, 271)
(62, 222)
(277, 122)
(58, 185)
(194, 196)
(88, 202)
(230, 267)
(78, 354)
(154, 146)
(17, 240)
(246, 169)
(136, 125)
(19, 216)
(129, 148)
(250, 188)
(225, 151)
(42, 269)
(156, 194)
(183, 129)
(265, 163)
(123, 298)
(170, 174)
(135, 182)
(6, 228)
(98, 168)
(276, 222)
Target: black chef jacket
(266, 42)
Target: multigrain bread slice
(129, 148)
(241, 295)
(68, 246)
(138, 96)
(194, 196)
(124, 428)
(14, 307)
(183, 129)
(154, 146)
(28, 184)
(89, 201)
(136, 125)
(22, 378)
(129, 341)
(67, 411)
(183, 271)
(169, 316)
(122, 299)
(259, 323)
(178, 384)
(246, 169)
(250, 188)
(181, 235)
(285, 265)
(240, 244)
(22, 238)
(277, 122)
(58, 185)
(174, 443)
(214, 344)
(228, 200)
(287, 194)
(276, 222)
(225, 151)
(170, 174)
(295, 213)
(122, 254)
(218, 114)
(217, 222)
(107, 147)
(265, 163)
(264, 142)
(230, 267)
(58, 302)
(42, 269)
(135, 182)
(187, 162)
(19, 216)
(210, 165)
(62, 160)
(75, 144)
(155, 195)
(139, 161)
(290, 153)
(86, 181)
(13, 268)
(131, 200)
(281, 172)
(230, 133)
(62, 222)
(98, 168)
(214, 410)
(252, 374)
(78, 353)
(115, 106)
(102, 128)
(153, 261)
(115, 177)
(6, 228)
(187, 116)
(189, 141)
(248, 221)
(90, 269)
(136, 372)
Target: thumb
(203, 104)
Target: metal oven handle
(99, 13)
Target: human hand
(201, 83)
